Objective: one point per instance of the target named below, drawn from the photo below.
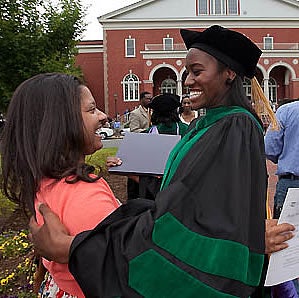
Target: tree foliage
(37, 36)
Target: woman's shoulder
(240, 121)
(69, 185)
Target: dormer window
(218, 7)
(203, 7)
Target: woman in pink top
(51, 124)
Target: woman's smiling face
(206, 82)
(93, 119)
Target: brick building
(90, 59)
(142, 49)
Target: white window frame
(232, 7)
(218, 7)
(168, 43)
(168, 86)
(247, 87)
(203, 7)
(268, 42)
(272, 86)
(131, 85)
(128, 47)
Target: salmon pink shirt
(80, 206)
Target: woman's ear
(230, 74)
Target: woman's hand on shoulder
(51, 240)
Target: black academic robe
(149, 186)
(203, 236)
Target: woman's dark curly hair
(166, 118)
(43, 137)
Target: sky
(96, 9)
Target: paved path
(111, 142)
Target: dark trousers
(282, 187)
(132, 189)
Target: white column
(266, 88)
(179, 86)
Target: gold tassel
(261, 104)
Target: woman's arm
(52, 240)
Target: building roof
(176, 9)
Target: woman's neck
(188, 112)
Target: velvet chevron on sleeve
(203, 236)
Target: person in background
(139, 121)
(140, 117)
(165, 117)
(204, 235)
(186, 113)
(52, 123)
(282, 148)
(165, 120)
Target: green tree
(37, 36)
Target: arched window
(131, 87)
(247, 87)
(272, 90)
(168, 86)
(272, 87)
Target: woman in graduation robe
(165, 120)
(204, 234)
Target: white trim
(263, 70)
(141, 3)
(292, 2)
(163, 55)
(125, 9)
(280, 53)
(280, 63)
(151, 55)
(82, 49)
(182, 72)
(201, 23)
(154, 69)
